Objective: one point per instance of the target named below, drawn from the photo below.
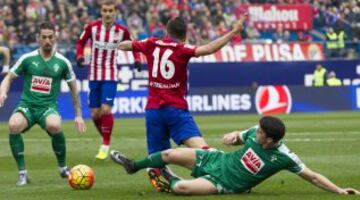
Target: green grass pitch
(326, 142)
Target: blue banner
(243, 74)
(272, 99)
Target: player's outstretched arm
(6, 52)
(217, 44)
(5, 86)
(232, 138)
(125, 45)
(79, 121)
(324, 183)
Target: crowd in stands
(207, 19)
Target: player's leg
(19, 122)
(95, 105)
(185, 157)
(50, 121)
(108, 93)
(158, 139)
(184, 130)
(198, 186)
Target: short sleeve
(188, 50)
(140, 45)
(69, 74)
(20, 66)
(297, 166)
(249, 133)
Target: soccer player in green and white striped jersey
(43, 70)
(263, 154)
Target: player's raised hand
(238, 26)
(3, 97)
(80, 124)
(231, 138)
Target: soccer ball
(81, 177)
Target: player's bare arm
(5, 86)
(79, 121)
(6, 53)
(233, 138)
(217, 44)
(324, 183)
(125, 45)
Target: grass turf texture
(327, 143)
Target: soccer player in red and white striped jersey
(105, 36)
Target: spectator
(252, 33)
(332, 80)
(319, 76)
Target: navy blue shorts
(165, 123)
(102, 92)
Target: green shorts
(36, 115)
(208, 166)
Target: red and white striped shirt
(104, 42)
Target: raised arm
(125, 45)
(79, 122)
(5, 86)
(6, 52)
(221, 41)
(324, 183)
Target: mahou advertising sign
(269, 16)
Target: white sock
(63, 168)
(24, 171)
(105, 147)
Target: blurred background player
(167, 113)
(43, 70)
(6, 59)
(105, 35)
(216, 172)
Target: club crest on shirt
(56, 67)
(41, 84)
(252, 162)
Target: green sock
(17, 149)
(173, 182)
(153, 160)
(59, 147)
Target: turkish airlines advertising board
(269, 16)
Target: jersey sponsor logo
(273, 100)
(252, 162)
(105, 45)
(41, 84)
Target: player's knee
(15, 127)
(170, 155)
(53, 128)
(105, 110)
(95, 115)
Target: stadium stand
(207, 20)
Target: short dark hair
(273, 127)
(46, 25)
(177, 28)
(108, 2)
